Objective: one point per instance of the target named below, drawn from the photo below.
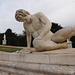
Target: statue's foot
(65, 45)
(27, 50)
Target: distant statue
(4, 40)
(39, 26)
(4, 37)
(69, 43)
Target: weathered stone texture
(59, 62)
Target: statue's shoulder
(40, 14)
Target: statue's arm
(46, 22)
(28, 37)
(28, 40)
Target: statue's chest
(29, 28)
(37, 24)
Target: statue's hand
(28, 48)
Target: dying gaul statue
(38, 25)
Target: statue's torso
(36, 27)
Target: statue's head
(21, 14)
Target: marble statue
(69, 43)
(38, 25)
(4, 37)
(4, 40)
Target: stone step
(58, 62)
(63, 56)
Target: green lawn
(9, 49)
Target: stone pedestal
(57, 62)
(4, 42)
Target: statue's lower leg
(63, 34)
(41, 45)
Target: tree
(73, 41)
(14, 39)
(1, 38)
(11, 37)
(55, 27)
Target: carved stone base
(58, 62)
(4, 42)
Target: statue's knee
(37, 45)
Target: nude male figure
(38, 25)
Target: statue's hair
(21, 13)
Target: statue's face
(21, 15)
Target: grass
(9, 49)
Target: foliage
(55, 27)
(13, 39)
(73, 41)
(1, 37)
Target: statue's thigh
(44, 45)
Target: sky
(58, 11)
